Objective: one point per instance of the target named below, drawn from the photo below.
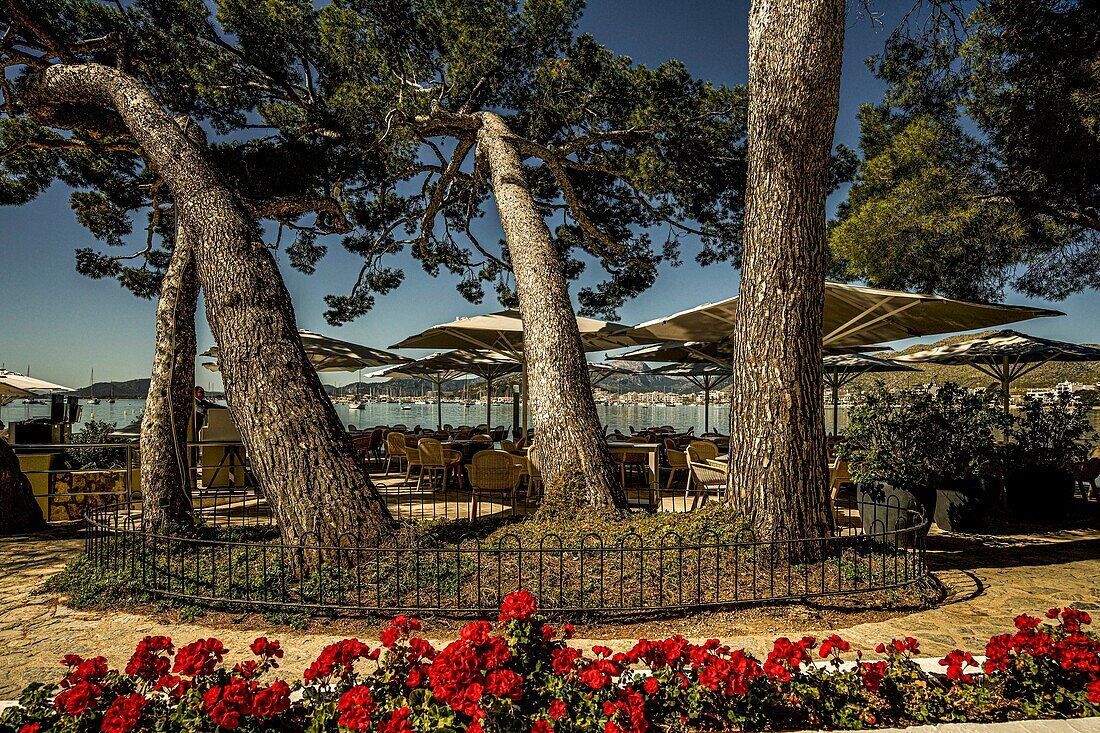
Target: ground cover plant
(656, 562)
(523, 676)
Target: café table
(652, 452)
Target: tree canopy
(980, 169)
(355, 109)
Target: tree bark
(168, 410)
(19, 512)
(313, 478)
(575, 462)
(777, 424)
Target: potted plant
(1044, 443)
(922, 448)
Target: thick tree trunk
(314, 479)
(168, 410)
(575, 463)
(777, 426)
(19, 512)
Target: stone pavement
(990, 580)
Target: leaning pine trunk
(314, 479)
(168, 410)
(777, 424)
(573, 457)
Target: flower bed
(523, 677)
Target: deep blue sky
(62, 324)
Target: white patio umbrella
(444, 367)
(30, 384)
(502, 332)
(841, 369)
(707, 377)
(854, 316)
(331, 355)
(9, 392)
(1004, 355)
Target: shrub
(1048, 434)
(918, 439)
(95, 431)
(523, 677)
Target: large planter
(964, 505)
(885, 509)
(1039, 493)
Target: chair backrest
(362, 442)
(521, 442)
(463, 434)
(352, 428)
(1090, 470)
(448, 427)
(376, 437)
(840, 473)
(676, 458)
(483, 438)
(431, 452)
(708, 475)
(533, 463)
(402, 427)
(698, 451)
(670, 444)
(1095, 452)
(493, 470)
(507, 445)
(395, 443)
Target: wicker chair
(636, 462)
(709, 478)
(374, 445)
(1086, 477)
(435, 461)
(677, 463)
(507, 446)
(412, 457)
(395, 450)
(534, 473)
(482, 438)
(840, 475)
(491, 472)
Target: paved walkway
(990, 579)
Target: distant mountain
(131, 389)
(1048, 375)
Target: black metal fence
(239, 562)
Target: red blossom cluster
(199, 657)
(518, 606)
(338, 659)
(787, 657)
(1066, 647)
(82, 685)
(471, 667)
(124, 713)
(521, 674)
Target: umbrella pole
(706, 408)
(1004, 383)
(439, 405)
(836, 408)
(489, 402)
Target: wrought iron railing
(239, 561)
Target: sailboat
(111, 399)
(91, 389)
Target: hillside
(131, 389)
(1047, 375)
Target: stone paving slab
(990, 581)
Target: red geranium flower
(78, 699)
(271, 700)
(541, 726)
(356, 706)
(557, 710)
(871, 673)
(262, 647)
(146, 662)
(199, 657)
(337, 658)
(518, 606)
(124, 714)
(831, 643)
